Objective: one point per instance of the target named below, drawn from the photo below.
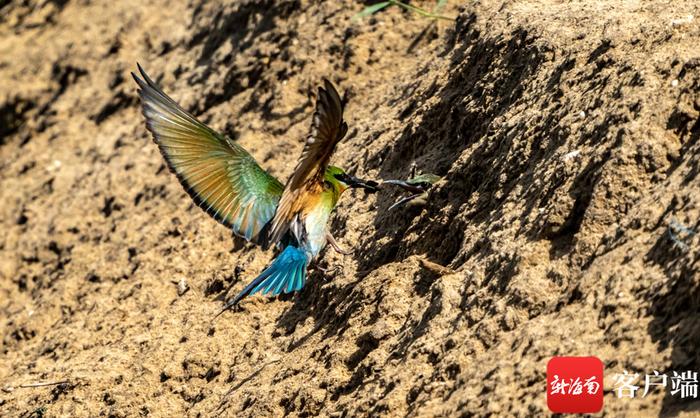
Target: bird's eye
(327, 185)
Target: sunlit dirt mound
(565, 223)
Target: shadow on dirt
(245, 26)
(485, 156)
(676, 306)
(487, 77)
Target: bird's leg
(335, 245)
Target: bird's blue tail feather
(286, 274)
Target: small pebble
(683, 20)
(182, 287)
(571, 155)
(55, 165)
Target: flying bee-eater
(228, 184)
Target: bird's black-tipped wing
(327, 129)
(222, 178)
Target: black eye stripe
(342, 177)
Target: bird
(227, 183)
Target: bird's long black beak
(356, 183)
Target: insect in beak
(418, 187)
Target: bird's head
(338, 179)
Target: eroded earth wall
(565, 223)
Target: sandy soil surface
(567, 136)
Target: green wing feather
(222, 177)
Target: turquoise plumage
(287, 274)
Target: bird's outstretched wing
(222, 177)
(327, 129)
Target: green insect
(418, 185)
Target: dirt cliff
(566, 135)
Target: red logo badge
(575, 385)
